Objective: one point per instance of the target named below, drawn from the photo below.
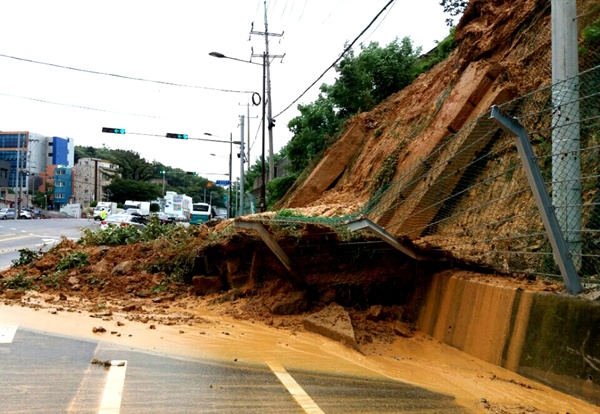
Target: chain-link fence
(471, 196)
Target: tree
(316, 122)
(131, 166)
(123, 190)
(454, 8)
(372, 76)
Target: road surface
(36, 234)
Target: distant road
(16, 235)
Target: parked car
(163, 218)
(7, 213)
(122, 220)
(26, 214)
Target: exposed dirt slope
(504, 50)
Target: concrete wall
(551, 338)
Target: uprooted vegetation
(231, 268)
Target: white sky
(169, 41)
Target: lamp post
(231, 142)
(264, 66)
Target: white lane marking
(113, 390)
(301, 397)
(7, 333)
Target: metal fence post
(542, 199)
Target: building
(29, 155)
(92, 176)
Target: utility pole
(18, 183)
(242, 157)
(566, 164)
(267, 63)
(248, 158)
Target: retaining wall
(551, 338)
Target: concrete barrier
(548, 337)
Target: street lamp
(230, 156)
(264, 66)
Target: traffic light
(271, 123)
(178, 136)
(113, 130)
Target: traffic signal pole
(230, 183)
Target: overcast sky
(169, 41)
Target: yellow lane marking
(301, 397)
(16, 238)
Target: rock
(403, 330)
(102, 249)
(14, 294)
(392, 313)
(99, 329)
(102, 267)
(292, 304)
(73, 280)
(123, 268)
(129, 308)
(334, 323)
(62, 296)
(144, 293)
(374, 313)
(205, 285)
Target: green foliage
(124, 189)
(287, 213)
(20, 282)
(277, 188)
(78, 258)
(437, 55)
(372, 76)
(589, 49)
(121, 235)
(113, 236)
(26, 256)
(93, 203)
(131, 166)
(317, 121)
(387, 172)
(454, 8)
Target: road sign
(222, 182)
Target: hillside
(503, 52)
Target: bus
(201, 213)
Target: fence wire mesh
(471, 196)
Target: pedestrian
(103, 214)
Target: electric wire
(123, 76)
(337, 60)
(78, 106)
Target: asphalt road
(35, 235)
(48, 373)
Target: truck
(109, 207)
(143, 206)
(178, 206)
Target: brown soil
(235, 275)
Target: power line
(337, 60)
(123, 76)
(77, 106)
